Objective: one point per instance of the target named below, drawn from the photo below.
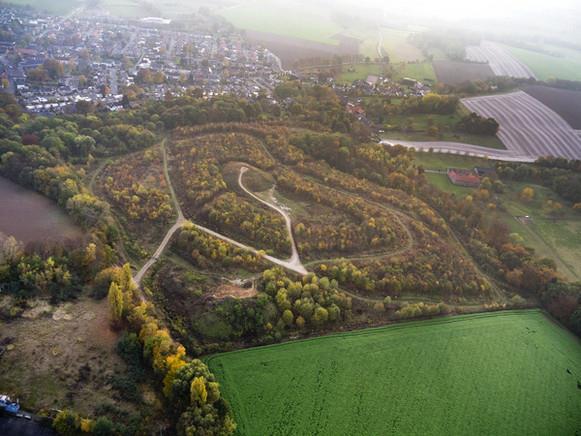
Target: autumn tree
(527, 194)
(115, 299)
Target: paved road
(462, 149)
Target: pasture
(515, 372)
(528, 127)
(556, 238)
(359, 72)
(30, 217)
(563, 65)
(291, 19)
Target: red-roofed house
(462, 177)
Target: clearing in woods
(516, 372)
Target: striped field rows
(500, 60)
(528, 127)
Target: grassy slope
(294, 20)
(462, 375)
(547, 67)
(559, 240)
(446, 123)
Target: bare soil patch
(61, 357)
(565, 102)
(455, 73)
(233, 291)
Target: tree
(67, 423)
(198, 392)
(115, 299)
(320, 316)
(103, 427)
(527, 194)
(288, 317)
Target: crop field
(455, 73)
(292, 19)
(565, 102)
(515, 372)
(501, 61)
(30, 217)
(394, 42)
(528, 127)
(565, 65)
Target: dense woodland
(317, 153)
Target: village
(56, 65)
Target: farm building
(462, 177)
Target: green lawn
(442, 182)
(414, 127)
(418, 71)
(294, 19)
(566, 66)
(442, 161)
(502, 373)
(361, 71)
(559, 239)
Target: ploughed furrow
(534, 126)
(501, 61)
(527, 126)
(538, 140)
(559, 128)
(512, 139)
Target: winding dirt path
(294, 260)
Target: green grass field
(415, 128)
(418, 71)
(558, 239)
(361, 71)
(442, 182)
(292, 19)
(500, 373)
(566, 66)
(395, 43)
(442, 161)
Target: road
(462, 149)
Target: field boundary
(396, 325)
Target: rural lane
(461, 149)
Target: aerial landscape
(268, 217)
